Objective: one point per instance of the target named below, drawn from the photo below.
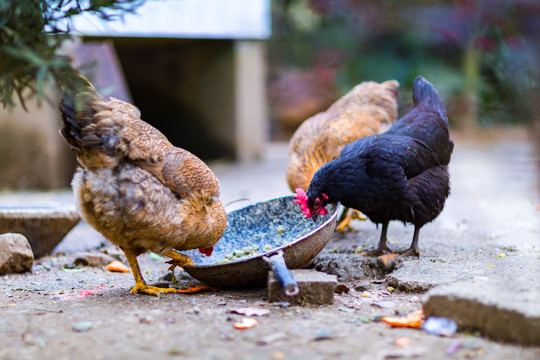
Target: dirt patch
(61, 311)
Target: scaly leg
(140, 284)
(413, 250)
(382, 248)
(178, 259)
(346, 218)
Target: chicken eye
(317, 202)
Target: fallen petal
(197, 289)
(413, 320)
(245, 323)
(117, 266)
(251, 311)
(403, 341)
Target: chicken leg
(178, 259)
(346, 218)
(140, 284)
(413, 250)
(382, 248)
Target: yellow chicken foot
(346, 218)
(178, 259)
(140, 285)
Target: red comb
(207, 251)
(302, 200)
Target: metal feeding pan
(259, 237)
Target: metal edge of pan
(331, 218)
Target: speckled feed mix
(258, 229)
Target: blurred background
(224, 78)
(482, 56)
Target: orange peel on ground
(245, 323)
(197, 289)
(402, 341)
(117, 266)
(412, 320)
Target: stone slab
(44, 224)
(502, 310)
(316, 288)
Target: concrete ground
(484, 250)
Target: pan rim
(273, 251)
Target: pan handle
(284, 276)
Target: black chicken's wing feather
(412, 155)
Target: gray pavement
(488, 232)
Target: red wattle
(302, 200)
(207, 251)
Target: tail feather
(80, 101)
(72, 83)
(425, 93)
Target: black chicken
(401, 174)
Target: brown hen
(133, 186)
(368, 109)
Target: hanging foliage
(32, 31)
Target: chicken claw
(142, 288)
(378, 251)
(346, 218)
(140, 285)
(413, 250)
(410, 252)
(382, 248)
(178, 259)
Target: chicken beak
(315, 217)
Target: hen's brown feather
(134, 186)
(368, 109)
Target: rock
(410, 285)
(324, 334)
(15, 254)
(418, 276)
(342, 289)
(384, 304)
(315, 288)
(503, 310)
(251, 311)
(146, 320)
(43, 223)
(82, 326)
(94, 259)
(387, 261)
(272, 338)
(348, 267)
(363, 285)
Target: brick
(316, 288)
(500, 309)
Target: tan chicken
(133, 186)
(368, 109)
